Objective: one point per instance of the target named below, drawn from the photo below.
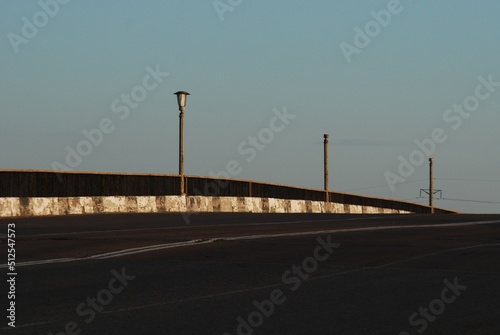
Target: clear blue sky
(242, 62)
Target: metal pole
(431, 184)
(181, 150)
(327, 197)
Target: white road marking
(114, 254)
(351, 230)
(149, 248)
(133, 251)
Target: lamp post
(181, 101)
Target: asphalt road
(254, 274)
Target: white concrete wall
(15, 207)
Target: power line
(467, 179)
(419, 180)
(385, 185)
(478, 201)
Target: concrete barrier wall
(22, 207)
(26, 193)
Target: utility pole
(325, 156)
(431, 191)
(431, 184)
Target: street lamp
(181, 101)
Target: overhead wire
(467, 179)
(442, 179)
(478, 201)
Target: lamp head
(181, 99)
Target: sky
(89, 86)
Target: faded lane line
(248, 237)
(113, 254)
(139, 250)
(350, 230)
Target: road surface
(254, 274)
